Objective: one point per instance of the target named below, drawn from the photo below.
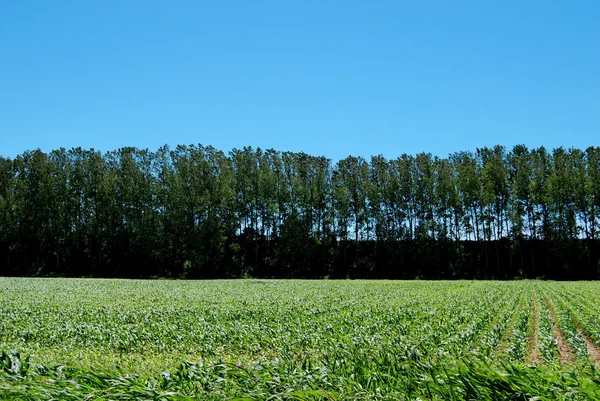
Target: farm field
(95, 339)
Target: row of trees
(194, 211)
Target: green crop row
(276, 339)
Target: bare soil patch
(534, 351)
(591, 347)
(567, 356)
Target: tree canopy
(196, 212)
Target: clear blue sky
(329, 78)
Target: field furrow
(567, 355)
(547, 336)
(534, 355)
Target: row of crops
(270, 339)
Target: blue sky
(331, 78)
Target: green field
(77, 339)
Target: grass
(71, 339)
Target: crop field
(84, 339)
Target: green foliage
(303, 340)
(196, 212)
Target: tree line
(197, 212)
